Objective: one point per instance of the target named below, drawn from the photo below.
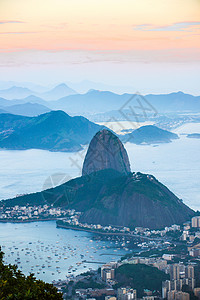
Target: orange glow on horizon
(99, 25)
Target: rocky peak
(106, 152)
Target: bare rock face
(106, 152)
(112, 195)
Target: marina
(52, 253)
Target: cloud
(180, 26)
(144, 27)
(70, 58)
(11, 22)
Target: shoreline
(79, 228)
(89, 230)
(105, 233)
(28, 221)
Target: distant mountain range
(17, 92)
(127, 105)
(54, 131)
(91, 102)
(86, 85)
(81, 87)
(26, 109)
(149, 134)
(29, 99)
(58, 92)
(30, 85)
(103, 105)
(57, 131)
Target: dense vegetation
(14, 285)
(88, 284)
(108, 197)
(140, 277)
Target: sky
(151, 46)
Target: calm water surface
(53, 253)
(175, 164)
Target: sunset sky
(149, 45)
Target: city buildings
(126, 294)
(174, 295)
(179, 275)
(196, 222)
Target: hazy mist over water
(79, 74)
(175, 164)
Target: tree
(15, 285)
(140, 277)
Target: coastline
(105, 233)
(79, 228)
(89, 230)
(28, 221)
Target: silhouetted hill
(108, 197)
(15, 92)
(4, 102)
(58, 92)
(94, 102)
(27, 109)
(30, 99)
(112, 195)
(149, 134)
(175, 102)
(34, 99)
(18, 92)
(135, 200)
(55, 131)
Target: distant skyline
(147, 46)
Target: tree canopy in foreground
(15, 285)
